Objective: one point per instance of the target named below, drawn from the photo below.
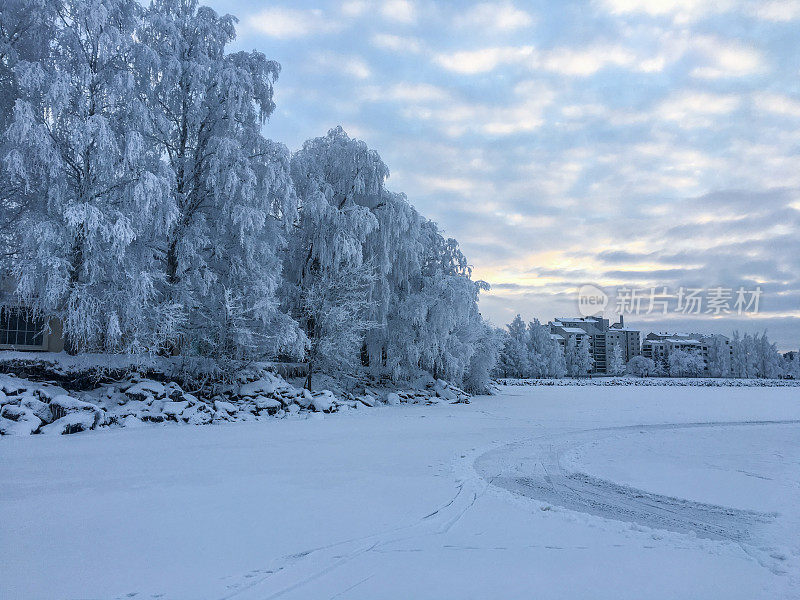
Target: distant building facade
(658, 346)
(602, 338)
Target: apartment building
(658, 345)
(602, 337)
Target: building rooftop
(576, 330)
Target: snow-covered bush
(684, 363)
(641, 366)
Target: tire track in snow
(532, 469)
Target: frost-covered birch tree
(78, 146)
(420, 311)
(230, 186)
(326, 258)
(26, 28)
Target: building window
(18, 328)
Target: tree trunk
(307, 383)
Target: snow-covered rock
(265, 386)
(271, 405)
(146, 388)
(322, 401)
(226, 407)
(73, 422)
(25, 425)
(63, 405)
(38, 408)
(197, 415)
(367, 400)
(174, 408)
(27, 407)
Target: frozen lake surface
(560, 492)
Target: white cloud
(450, 184)
(725, 59)
(396, 43)
(499, 16)
(586, 61)
(406, 92)
(523, 115)
(349, 64)
(484, 60)
(355, 8)
(284, 23)
(399, 10)
(680, 11)
(780, 11)
(696, 109)
(579, 62)
(777, 104)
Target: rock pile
(27, 407)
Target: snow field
(383, 503)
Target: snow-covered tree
(230, 186)
(143, 207)
(616, 360)
(683, 363)
(333, 308)
(578, 356)
(539, 349)
(514, 361)
(78, 145)
(584, 357)
(769, 364)
(326, 254)
(792, 366)
(754, 356)
(26, 27)
(484, 358)
(557, 367)
(719, 358)
(641, 366)
(452, 322)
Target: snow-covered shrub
(641, 366)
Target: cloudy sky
(624, 143)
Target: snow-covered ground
(541, 492)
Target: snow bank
(30, 407)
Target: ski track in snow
(532, 469)
(294, 571)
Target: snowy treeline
(144, 208)
(746, 357)
(529, 351)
